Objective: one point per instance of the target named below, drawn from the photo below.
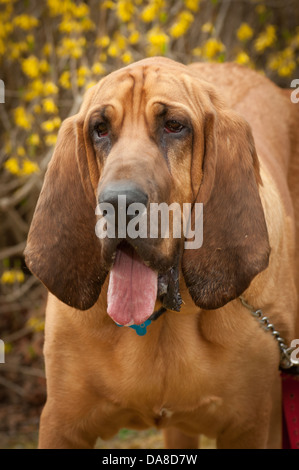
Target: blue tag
(140, 329)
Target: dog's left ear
(235, 244)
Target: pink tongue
(132, 289)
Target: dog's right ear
(62, 249)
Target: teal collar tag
(140, 329)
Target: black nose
(130, 190)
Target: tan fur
(197, 371)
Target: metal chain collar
(286, 361)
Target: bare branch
(13, 387)
(25, 370)
(12, 251)
(20, 291)
(18, 334)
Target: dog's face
(152, 133)
(142, 142)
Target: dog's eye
(173, 127)
(102, 129)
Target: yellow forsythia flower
(286, 70)
(37, 324)
(48, 126)
(182, 24)
(193, 5)
(56, 121)
(22, 118)
(242, 58)
(125, 10)
(103, 41)
(134, 37)
(284, 62)
(71, 47)
(33, 139)
(12, 165)
(38, 86)
(120, 40)
(29, 167)
(50, 139)
(82, 74)
(107, 5)
(65, 79)
(157, 37)
(212, 47)
(127, 58)
(7, 277)
(152, 10)
(49, 106)
(98, 69)
(158, 41)
(50, 88)
(244, 32)
(113, 50)
(25, 22)
(149, 13)
(11, 276)
(59, 7)
(265, 39)
(30, 66)
(80, 10)
(83, 71)
(51, 125)
(67, 25)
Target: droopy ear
(62, 248)
(235, 244)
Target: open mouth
(134, 288)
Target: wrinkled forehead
(143, 84)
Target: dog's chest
(162, 384)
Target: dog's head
(149, 134)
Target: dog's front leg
(175, 439)
(60, 431)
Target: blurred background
(51, 51)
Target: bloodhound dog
(215, 136)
